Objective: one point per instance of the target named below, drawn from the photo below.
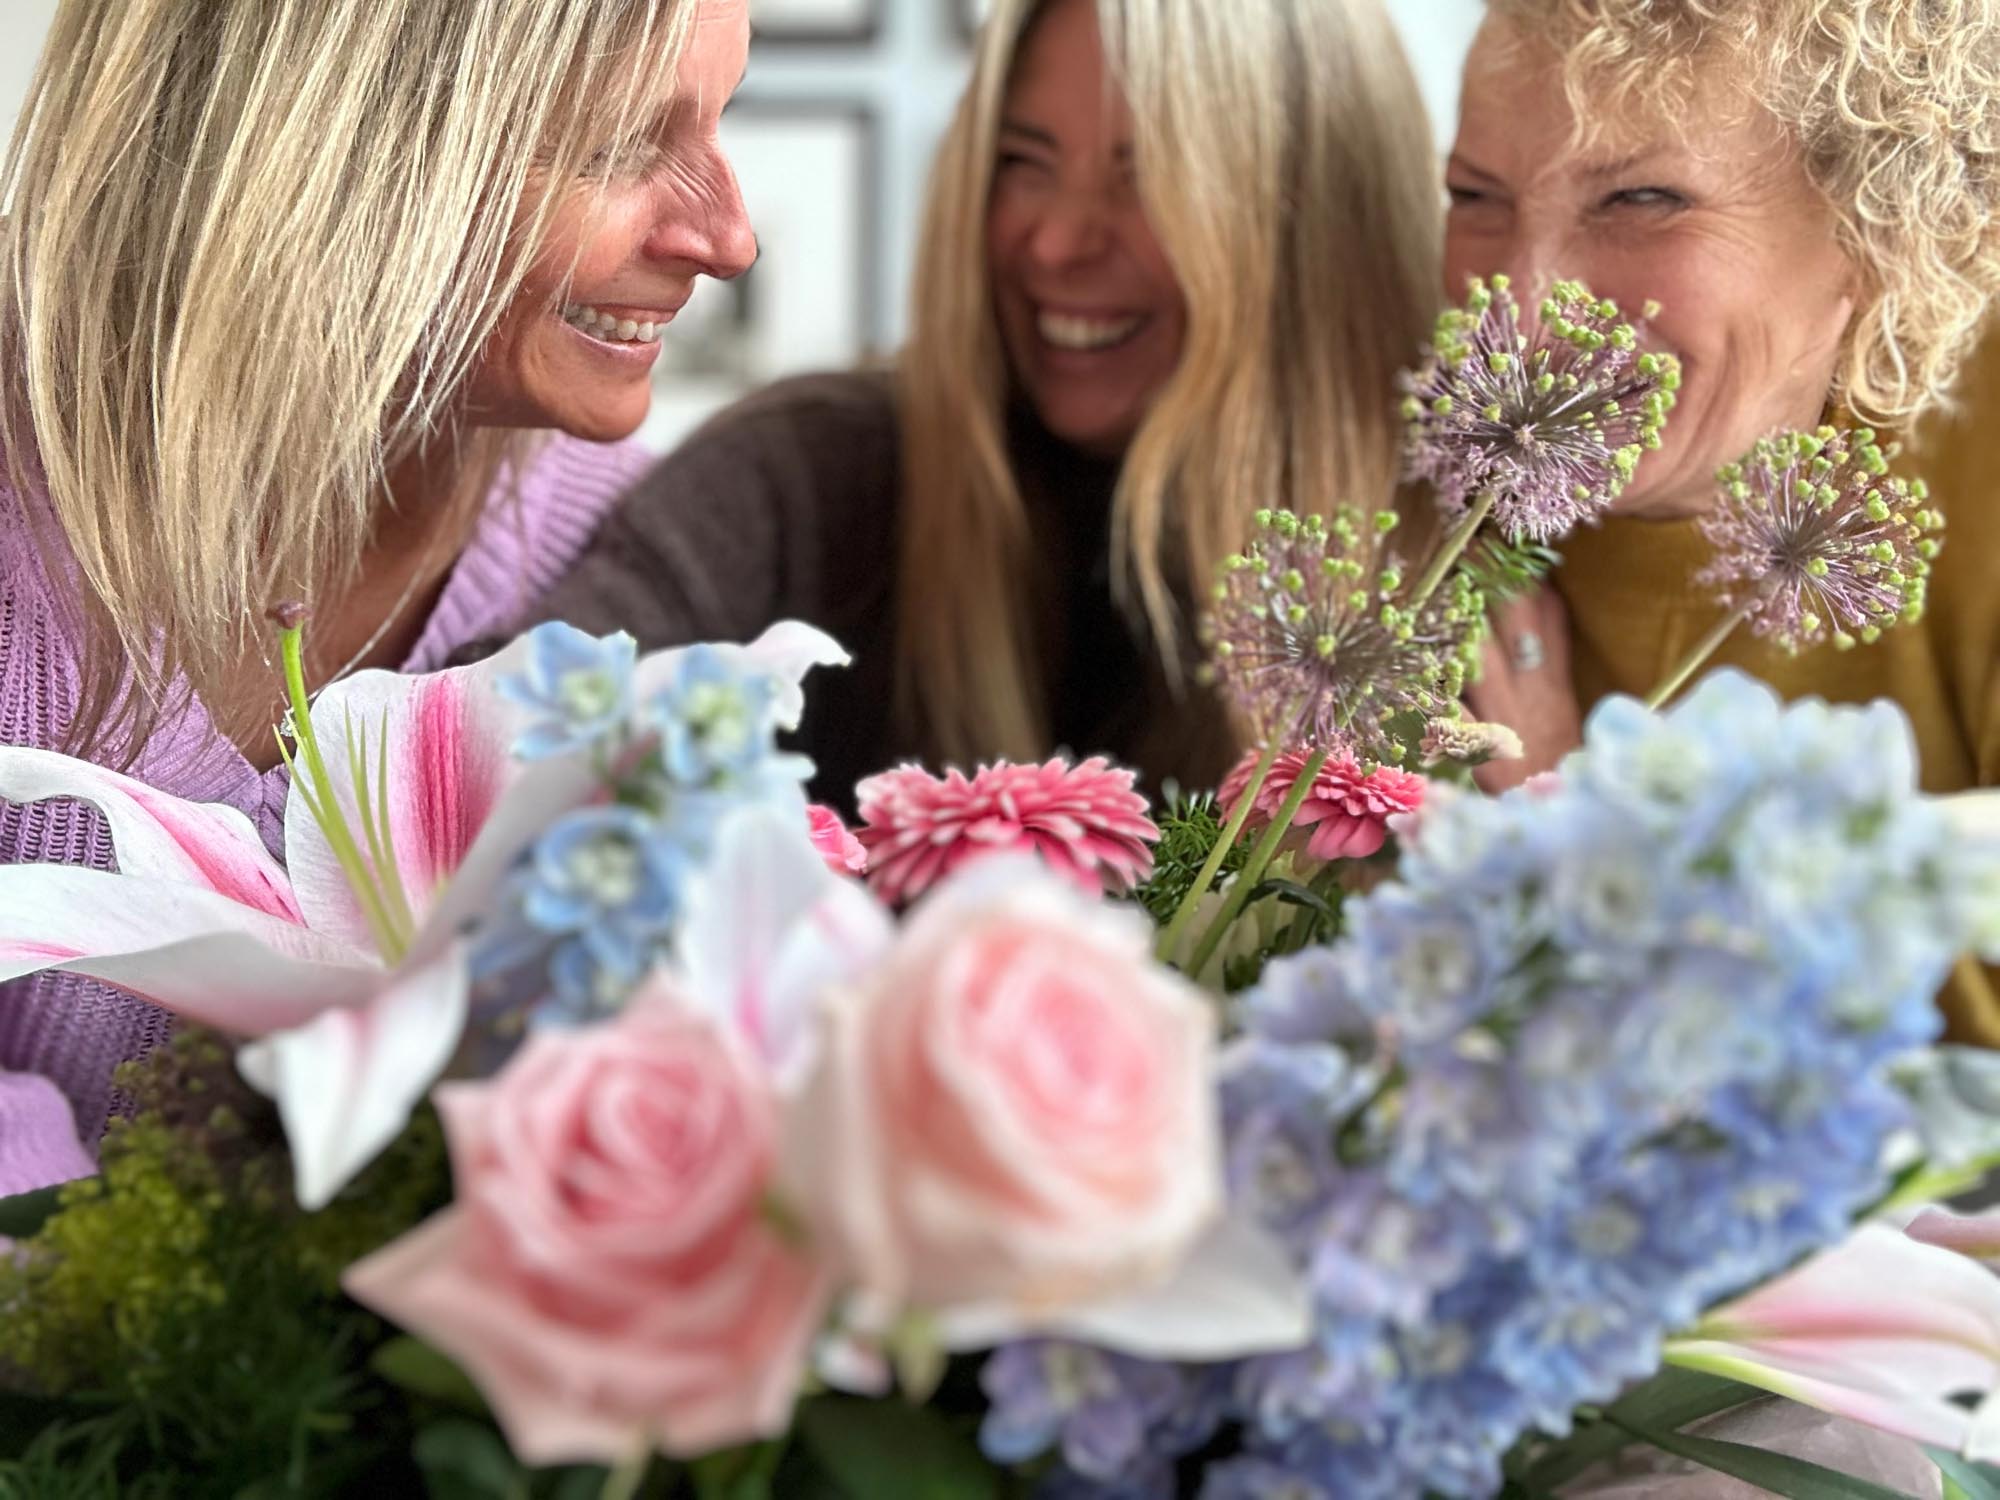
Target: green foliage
(890, 1450)
(191, 1314)
(1504, 569)
(1189, 828)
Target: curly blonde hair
(1895, 107)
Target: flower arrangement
(576, 1110)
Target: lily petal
(1237, 1294)
(787, 651)
(157, 836)
(446, 739)
(1882, 1328)
(1974, 1235)
(347, 1080)
(189, 950)
(768, 928)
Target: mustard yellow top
(1635, 612)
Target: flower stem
(1706, 647)
(324, 802)
(1184, 913)
(1259, 861)
(1453, 549)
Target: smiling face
(1712, 216)
(620, 256)
(1090, 314)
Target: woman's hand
(1526, 686)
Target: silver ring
(1528, 653)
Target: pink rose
(1017, 1106)
(840, 849)
(610, 1276)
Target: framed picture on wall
(816, 22)
(809, 174)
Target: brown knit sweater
(786, 506)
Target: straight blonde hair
(254, 251)
(1288, 170)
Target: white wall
(22, 25)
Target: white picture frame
(818, 23)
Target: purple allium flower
(1815, 540)
(1307, 635)
(1548, 422)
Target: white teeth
(1067, 332)
(612, 330)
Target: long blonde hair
(254, 251)
(1287, 168)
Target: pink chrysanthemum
(1348, 809)
(1085, 821)
(840, 849)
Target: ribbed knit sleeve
(66, 1028)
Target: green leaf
(465, 1461)
(1671, 1400)
(890, 1450)
(414, 1366)
(739, 1474)
(23, 1215)
(1780, 1473)
(1966, 1478)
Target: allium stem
(1706, 647)
(1259, 861)
(1453, 549)
(1238, 815)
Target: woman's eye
(1646, 197)
(1462, 197)
(622, 158)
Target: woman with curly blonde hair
(1810, 188)
(342, 302)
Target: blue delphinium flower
(579, 687)
(1645, 1028)
(714, 721)
(1098, 1408)
(594, 904)
(605, 876)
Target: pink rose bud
(611, 1275)
(1017, 1106)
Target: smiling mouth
(1077, 334)
(613, 329)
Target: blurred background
(832, 136)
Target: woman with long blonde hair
(293, 297)
(1172, 258)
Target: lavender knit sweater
(60, 1037)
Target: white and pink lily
(1884, 1329)
(346, 966)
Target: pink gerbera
(840, 849)
(1348, 809)
(1085, 821)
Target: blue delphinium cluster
(1603, 1054)
(594, 903)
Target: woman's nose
(1073, 226)
(708, 227)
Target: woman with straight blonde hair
(293, 295)
(1173, 257)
